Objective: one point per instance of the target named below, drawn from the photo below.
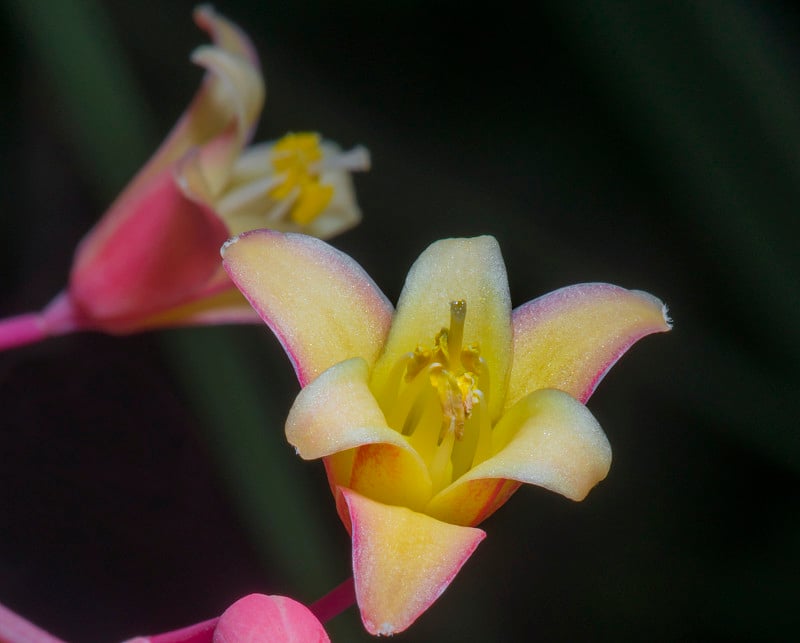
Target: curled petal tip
(570, 338)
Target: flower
(153, 259)
(430, 416)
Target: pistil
(437, 399)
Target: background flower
(648, 145)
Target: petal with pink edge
(547, 439)
(470, 502)
(319, 302)
(269, 618)
(402, 561)
(569, 338)
(449, 270)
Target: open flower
(429, 417)
(153, 258)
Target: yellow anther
(419, 359)
(295, 158)
(452, 402)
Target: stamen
(388, 396)
(353, 160)
(453, 416)
(296, 158)
(441, 466)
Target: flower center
(437, 397)
(297, 158)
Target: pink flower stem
(334, 602)
(15, 629)
(57, 319)
(21, 330)
(197, 633)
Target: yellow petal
(470, 502)
(392, 475)
(319, 302)
(402, 561)
(569, 338)
(336, 412)
(449, 270)
(548, 439)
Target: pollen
(296, 159)
(438, 399)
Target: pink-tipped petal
(470, 502)
(569, 338)
(450, 270)
(319, 302)
(159, 255)
(402, 561)
(548, 439)
(256, 618)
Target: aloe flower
(430, 416)
(153, 259)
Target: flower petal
(402, 561)
(158, 254)
(319, 302)
(548, 439)
(568, 339)
(269, 618)
(248, 203)
(392, 475)
(449, 270)
(218, 306)
(337, 411)
(470, 502)
(227, 92)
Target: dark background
(145, 482)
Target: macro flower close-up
(451, 222)
(430, 416)
(152, 260)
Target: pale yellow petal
(336, 412)
(548, 439)
(319, 302)
(402, 561)
(450, 270)
(569, 338)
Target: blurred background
(145, 482)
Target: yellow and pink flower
(153, 259)
(430, 416)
